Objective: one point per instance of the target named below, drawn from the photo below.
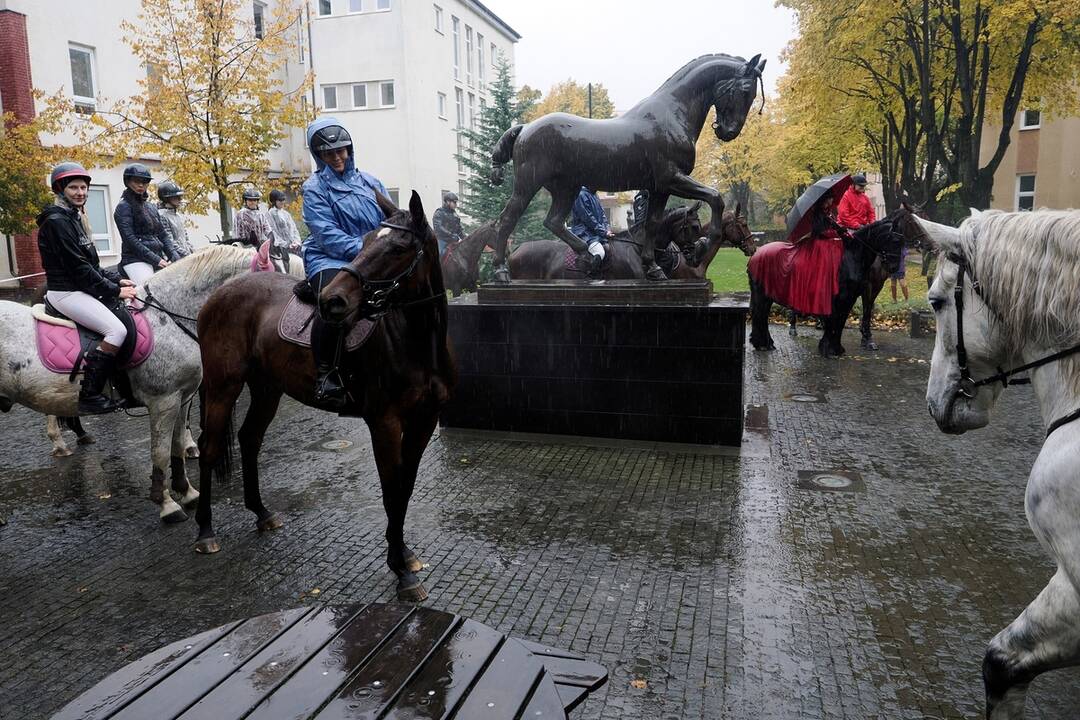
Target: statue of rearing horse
(649, 147)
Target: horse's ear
(751, 65)
(387, 206)
(416, 210)
(695, 207)
(941, 237)
(761, 67)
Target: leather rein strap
(378, 295)
(969, 386)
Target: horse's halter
(968, 386)
(747, 238)
(377, 295)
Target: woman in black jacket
(78, 286)
(147, 245)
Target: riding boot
(97, 367)
(655, 273)
(326, 342)
(590, 264)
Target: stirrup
(98, 405)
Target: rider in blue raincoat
(591, 225)
(339, 209)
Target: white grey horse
(1012, 280)
(166, 382)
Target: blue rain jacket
(589, 221)
(338, 209)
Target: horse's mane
(1028, 266)
(693, 64)
(205, 267)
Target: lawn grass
(728, 274)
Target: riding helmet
(168, 189)
(858, 179)
(136, 171)
(67, 171)
(449, 197)
(276, 195)
(330, 137)
(252, 194)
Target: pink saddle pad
(296, 320)
(58, 346)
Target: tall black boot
(326, 342)
(96, 369)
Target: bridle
(968, 386)
(377, 296)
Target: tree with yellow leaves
(570, 97)
(211, 105)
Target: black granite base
(604, 367)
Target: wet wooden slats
(383, 662)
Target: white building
(401, 75)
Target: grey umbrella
(799, 219)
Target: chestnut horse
(397, 380)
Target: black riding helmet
(331, 137)
(276, 195)
(64, 173)
(136, 171)
(252, 194)
(168, 189)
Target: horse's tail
(503, 152)
(223, 469)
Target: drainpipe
(10, 256)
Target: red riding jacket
(855, 209)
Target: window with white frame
(329, 97)
(97, 204)
(440, 104)
(1025, 192)
(325, 7)
(395, 195)
(386, 93)
(494, 55)
(468, 54)
(480, 59)
(83, 80)
(461, 188)
(356, 6)
(459, 97)
(359, 96)
(259, 10)
(456, 24)
(1030, 119)
(472, 111)
(382, 5)
(438, 19)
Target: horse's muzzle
(335, 308)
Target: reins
(151, 301)
(969, 386)
(378, 295)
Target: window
(438, 19)
(468, 54)
(359, 95)
(459, 97)
(386, 94)
(97, 202)
(440, 104)
(382, 5)
(324, 7)
(461, 188)
(329, 96)
(1029, 119)
(82, 77)
(472, 111)
(356, 6)
(154, 75)
(457, 46)
(394, 194)
(480, 59)
(1025, 192)
(494, 55)
(259, 9)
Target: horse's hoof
(271, 523)
(869, 345)
(793, 332)
(207, 546)
(413, 564)
(655, 274)
(191, 453)
(62, 452)
(501, 276)
(86, 439)
(412, 594)
(176, 516)
(190, 497)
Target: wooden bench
(359, 661)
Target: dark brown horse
(649, 147)
(461, 262)
(547, 259)
(397, 381)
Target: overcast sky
(632, 46)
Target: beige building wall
(1049, 153)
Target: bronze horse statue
(397, 380)
(649, 147)
(461, 261)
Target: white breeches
(89, 312)
(597, 248)
(139, 272)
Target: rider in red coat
(855, 208)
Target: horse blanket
(295, 326)
(803, 276)
(60, 345)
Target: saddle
(669, 258)
(62, 343)
(295, 326)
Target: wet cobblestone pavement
(711, 585)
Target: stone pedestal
(630, 360)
